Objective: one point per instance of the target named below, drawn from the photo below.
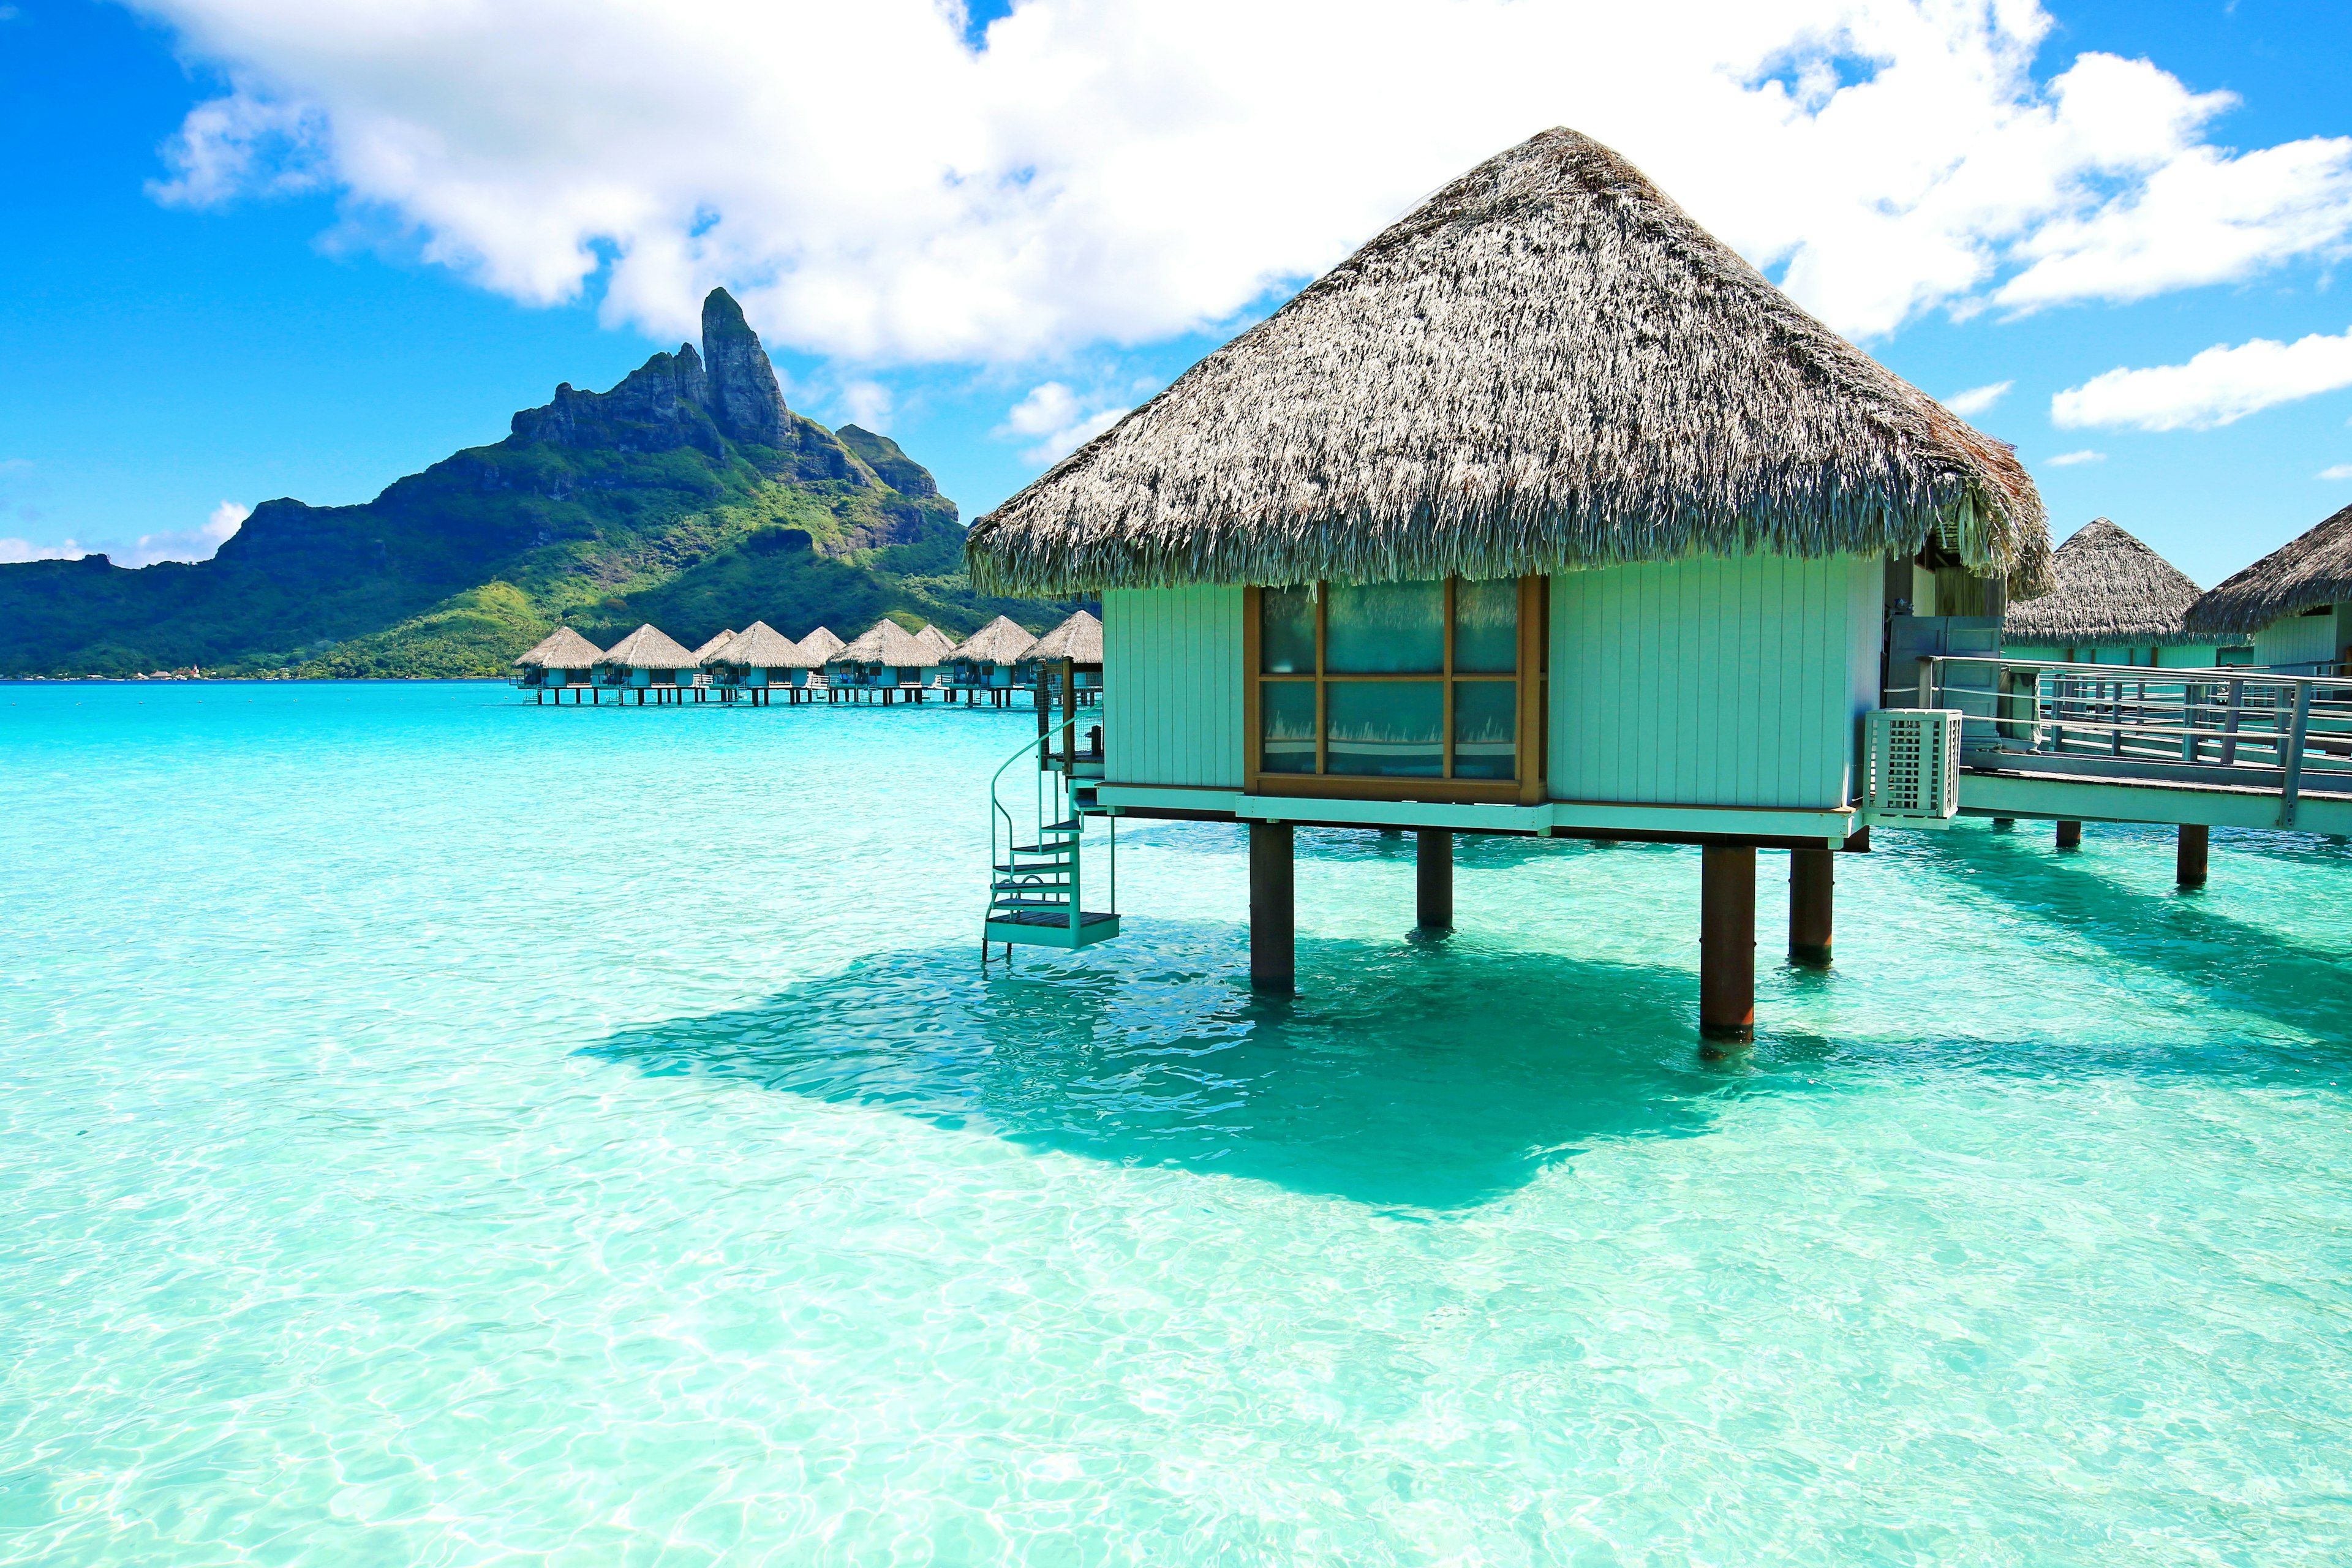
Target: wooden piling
(2070, 835)
(1727, 945)
(2189, 855)
(1434, 878)
(1274, 926)
(1813, 906)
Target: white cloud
(1053, 411)
(2340, 472)
(2219, 386)
(1977, 400)
(1126, 171)
(12, 551)
(869, 403)
(187, 543)
(2069, 460)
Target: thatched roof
(939, 642)
(647, 648)
(2300, 574)
(2112, 590)
(703, 655)
(1078, 639)
(1002, 641)
(561, 648)
(885, 642)
(1548, 366)
(821, 644)
(760, 646)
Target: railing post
(2230, 723)
(2293, 785)
(1927, 688)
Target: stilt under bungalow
(1432, 878)
(1813, 897)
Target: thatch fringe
(561, 648)
(2112, 591)
(1548, 366)
(2299, 575)
(1078, 639)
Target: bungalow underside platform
(1769, 828)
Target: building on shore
(561, 661)
(1544, 514)
(647, 661)
(2117, 602)
(2294, 603)
(989, 665)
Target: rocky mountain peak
(745, 397)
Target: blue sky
(325, 284)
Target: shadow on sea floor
(2231, 963)
(1407, 1075)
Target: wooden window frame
(1531, 734)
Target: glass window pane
(1287, 711)
(1487, 626)
(1386, 729)
(1486, 719)
(1385, 628)
(1286, 630)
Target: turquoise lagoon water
(437, 1129)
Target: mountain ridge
(688, 494)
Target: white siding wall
(1173, 686)
(2298, 639)
(1713, 682)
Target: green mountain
(688, 496)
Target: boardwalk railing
(2235, 728)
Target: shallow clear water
(437, 1129)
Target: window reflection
(1486, 627)
(1387, 728)
(1385, 628)
(1287, 639)
(1484, 720)
(1286, 714)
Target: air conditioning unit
(1912, 767)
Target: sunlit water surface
(439, 1130)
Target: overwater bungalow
(2295, 604)
(821, 644)
(647, 660)
(702, 658)
(938, 643)
(758, 661)
(1544, 514)
(989, 663)
(562, 660)
(887, 661)
(1073, 649)
(2117, 603)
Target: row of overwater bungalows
(887, 664)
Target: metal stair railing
(1052, 877)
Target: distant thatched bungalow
(1544, 513)
(989, 661)
(939, 642)
(647, 660)
(2117, 602)
(888, 659)
(563, 658)
(758, 660)
(1077, 644)
(821, 644)
(2296, 603)
(702, 658)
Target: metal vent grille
(1912, 769)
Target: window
(1410, 690)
